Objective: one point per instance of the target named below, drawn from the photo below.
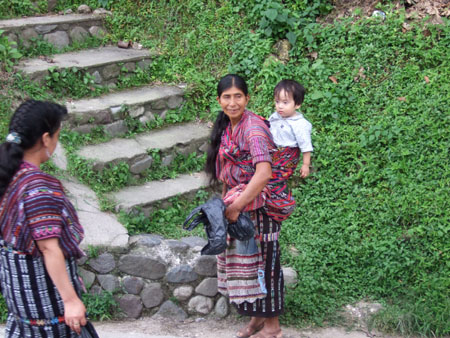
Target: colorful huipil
(238, 270)
(33, 208)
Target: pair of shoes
(262, 334)
(248, 331)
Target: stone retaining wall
(154, 276)
(60, 34)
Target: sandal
(262, 334)
(248, 331)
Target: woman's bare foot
(256, 324)
(271, 329)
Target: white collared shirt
(294, 131)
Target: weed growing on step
(39, 47)
(8, 53)
(72, 82)
(180, 164)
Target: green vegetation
(8, 53)
(166, 222)
(15, 8)
(372, 221)
(100, 307)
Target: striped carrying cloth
(281, 203)
(35, 308)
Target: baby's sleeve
(43, 212)
(302, 131)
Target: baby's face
(285, 104)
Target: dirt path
(147, 327)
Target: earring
(47, 153)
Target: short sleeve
(43, 213)
(259, 149)
(260, 142)
(303, 136)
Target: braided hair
(30, 121)
(222, 121)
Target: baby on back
(288, 126)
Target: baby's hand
(304, 171)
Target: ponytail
(11, 155)
(219, 127)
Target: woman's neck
(33, 156)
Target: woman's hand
(75, 314)
(232, 213)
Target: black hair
(30, 121)
(291, 87)
(222, 121)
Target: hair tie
(13, 138)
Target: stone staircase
(143, 104)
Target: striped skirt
(251, 277)
(35, 308)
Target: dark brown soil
(435, 10)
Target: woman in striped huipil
(40, 232)
(240, 156)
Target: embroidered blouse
(34, 207)
(240, 150)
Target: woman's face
(233, 102)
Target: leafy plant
(100, 307)
(93, 251)
(8, 53)
(72, 82)
(14, 8)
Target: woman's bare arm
(74, 310)
(261, 177)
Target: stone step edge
(135, 151)
(36, 68)
(133, 198)
(141, 103)
(47, 20)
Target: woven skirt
(35, 308)
(253, 281)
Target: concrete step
(142, 103)
(145, 196)
(103, 63)
(101, 228)
(184, 138)
(59, 30)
